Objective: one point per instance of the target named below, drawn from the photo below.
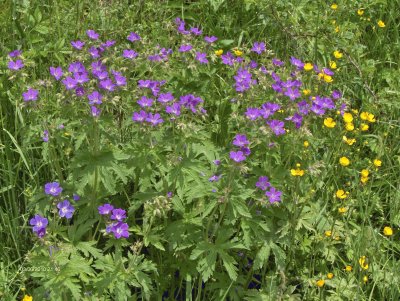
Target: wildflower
(387, 231)
(297, 172)
(320, 283)
(154, 119)
(95, 98)
(362, 262)
(30, 95)
(377, 163)
(39, 224)
(105, 209)
(218, 52)
(237, 52)
(45, 136)
(329, 123)
(196, 31)
(145, 102)
(165, 97)
(258, 47)
(240, 140)
(329, 275)
(69, 83)
(214, 178)
(201, 57)
(107, 84)
(347, 117)
(27, 298)
(337, 54)
(308, 67)
(344, 161)
(237, 156)
(360, 12)
(306, 92)
(129, 54)
(95, 111)
(77, 44)
(53, 189)
(120, 229)
(348, 268)
(56, 72)
(76, 197)
(118, 214)
(65, 209)
(274, 195)
(365, 279)
(15, 53)
(364, 127)
(342, 210)
(263, 183)
(211, 39)
(334, 6)
(328, 233)
(327, 78)
(133, 36)
(18, 64)
(174, 109)
(333, 65)
(277, 127)
(381, 24)
(92, 34)
(364, 173)
(336, 94)
(252, 113)
(349, 126)
(341, 194)
(185, 48)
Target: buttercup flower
(381, 24)
(344, 161)
(341, 194)
(377, 163)
(320, 283)
(360, 12)
(348, 268)
(329, 122)
(27, 298)
(334, 6)
(363, 263)
(218, 52)
(349, 141)
(338, 54)
(329, 275)
(387, 231)
(308, 67)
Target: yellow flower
(364, 180)
(360, 12)
(347, 117)
(365, 279)
(387, 231)
(237, 52)
(341, 194)
(342, 210)
(308, 66)
(219, 52)
(377, 163)
(365, 173)
(297, 172)
(349, 127)
(381, 24)
(320, 283)
(329, 123)
(321, 75)
(364, 127)
(362, 262)
(334, 6)
(337, 237)
(327, 78)
(355, 111)
(306, 92)
(371, 118)
(337, 54)
(329, 276)
(364, 115)
(328, 233)
(337, 29)
(332, 65)
(348, 268)
(306, 143)
(349, 141)
(27, 298)
(344, 161)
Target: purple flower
(185, 48)
(154, 119)
(277, 127)
(296, 62)
(105, 209)
(211, 39)
(253, 65)
(18, 64)
(336, 94)
(237, 156)
(30, 95)
(328, 71)
(76, 67)
(81, 78)
(129, 54)
(120, 80)
(196, 31)
(39, 224)
(274, 195)
(92, 34)
(174, 109)
(69, 83)
(268, 109)
(277, 62)
(297, 119)
(228, 59)
(118, 214)
(202, 57)
(317, 109)
(45, 136)
(145, 102)
(65, 209)
(263, 183)
(258, 47)
(292, 93)
(56, 72)
(77, 44)
(217, 162)
(246, 151)
(139, 117)
(95, 98)
(95, 111)
(101, 75)
(15, 53)
(76, 197)
(79, 91)
(107, 84)
(108, 44)
(98, 66)
(165, 97)
(94, 52)
(252, 113)
(53, 189)
(240, 140)
(120, 230)
(304, 107)
(133, 36)
(214, 178)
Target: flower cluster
(115, 221)
(242, 143)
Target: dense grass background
(369, 75)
